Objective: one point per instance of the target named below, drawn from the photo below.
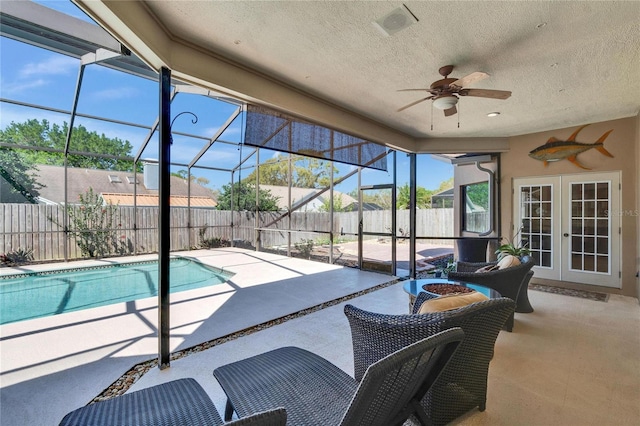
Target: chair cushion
(487, 268)
(449, 302)
(508, 261)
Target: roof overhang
(133, 25)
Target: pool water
(41, 294)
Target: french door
(571, 227)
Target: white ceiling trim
(462, 145)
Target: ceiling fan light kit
(445, 102)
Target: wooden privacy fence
(39, 227)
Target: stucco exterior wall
(623, 143)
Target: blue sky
(37, 76)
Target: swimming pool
(41, 294)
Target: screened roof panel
(274, 130)
(28, 70)
(117, 95)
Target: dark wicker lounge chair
(463, 383)
(175, 403)
(508, 282)
(316, 392)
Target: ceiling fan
(445, 92)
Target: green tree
(244, 198)
(20, 175)
(203, 181)
(337, 204)
(380, 197)
(478, 194)
(306, 172)
(445, 184)
(42, 134)
(423, 197)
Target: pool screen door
(376, 231)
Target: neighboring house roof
(352, 207)
(447, 193)
(442, 199)
(300, 195)
(148, 200)
(104, 182)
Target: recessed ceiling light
(541, 24)
(493, 114)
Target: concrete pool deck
(50, 366)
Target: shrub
(305, 247)
(212, 242)
(92, 225)
(16, 257)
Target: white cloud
(22, 86)
(10, 113)
(54, 65)
(115, 94)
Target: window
(476, 216)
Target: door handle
(565, 234)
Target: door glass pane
(534, 242)
(603, 227)
(603, 264)
(536, 209)
(576, 261)
(589, 191)
(589, 263)
(589, 245)
(576, 191)
(545, 258)
(576, 226)
(576, 244)
(603, 191)
(588, 219)
(590, 208)
(576, 208)
(603, 246)
(589, 227)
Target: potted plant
(444, 271)
(512, 249)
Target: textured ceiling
(567, 63)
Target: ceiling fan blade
(415, 90)
(486, 93)
(469, 79)
(415, 103)
(451, 111)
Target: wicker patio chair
(316, 392)
(462, 385)
(175, 403)
(508, 282)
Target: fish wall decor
(556, 149)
